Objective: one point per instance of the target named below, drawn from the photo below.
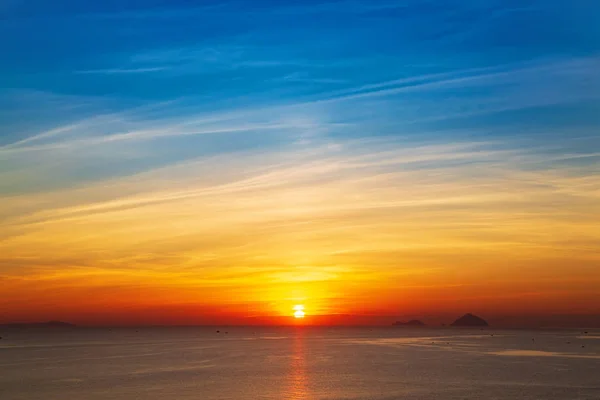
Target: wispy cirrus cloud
(303, 77)
(110, 71)
(518, 87)
(205, 59)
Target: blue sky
(347, 69)
(111, 107)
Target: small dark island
(469, 320)
(411, 323)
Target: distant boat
(413, 323)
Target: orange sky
(170, 247)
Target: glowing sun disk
(299, 311)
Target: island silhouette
(469, 320)
(411, 323)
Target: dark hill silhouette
(414, 323)
(470, 320)
(49, 324)
(58, 324)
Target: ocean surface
(299, 363)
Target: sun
(299, 311)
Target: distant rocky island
(413, 323)
(470, 320)
(49, 324)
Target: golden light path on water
(298, 380)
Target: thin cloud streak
(110, 71)
(581, 70)
(372, 167)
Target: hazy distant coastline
(49, 324)
(429, 321)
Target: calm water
(296, 363)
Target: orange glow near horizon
(186, 251)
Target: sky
(179, 162)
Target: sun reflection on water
(298, 378)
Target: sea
(296, 363)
